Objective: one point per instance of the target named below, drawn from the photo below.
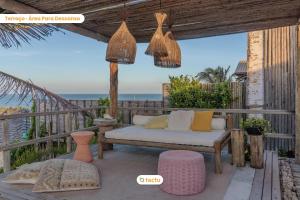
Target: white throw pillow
(180, 120)
(141, 120)
(218, 124)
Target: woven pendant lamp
(157, 45)
(121, 47)
(173, 59)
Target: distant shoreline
(125, 97)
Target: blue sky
(70, 63)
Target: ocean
(10, 101)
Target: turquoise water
(9, 100)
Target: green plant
(31, 132)
(188, 92)
(102, 102)
(215, 75)
(259, 123)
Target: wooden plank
(276, 192)
(297, 100)
(258, 183)
(267, 188)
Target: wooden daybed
(215, 148)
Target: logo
(149, 180)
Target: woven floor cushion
(67, 175)
(26, 174)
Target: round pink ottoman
(183, 172)
(82, 140)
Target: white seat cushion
(166, 136)
(180, 120)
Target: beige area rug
(121, 167)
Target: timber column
(297, 100)
(255, 71)
(113, 90)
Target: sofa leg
(100, 150)
(218, 159)
(229, 147)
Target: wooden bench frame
(216, 149)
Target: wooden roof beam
(20, 8)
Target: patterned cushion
(66, 175)
(26, 174)
(50, 176)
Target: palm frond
(16, 34)
(27, 91)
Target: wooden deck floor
(265, 185)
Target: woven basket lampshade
(121, 47)
(157, 45)
(173, 59)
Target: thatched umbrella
(16, 34)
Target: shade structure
(121, 47)
(13, 35)
(173, 59)
(157, 45)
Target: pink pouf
(183, 172)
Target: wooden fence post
(5, 141)
(257, 151)
(49, 128)
(68, 120)
(237, 141)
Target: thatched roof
(193, 18)
(241, 69)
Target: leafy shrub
(102, 102)
(188, 92)
(28, 154)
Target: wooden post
(229, 123)
(5, 141)
(49, 128)
(237, 141)
(113, 90)
(68, 120)
(297, 100)
(257, 151)
(37, 123)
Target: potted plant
(256, 126)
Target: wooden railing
(69, 119)
(72, 120)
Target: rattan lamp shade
(121, 47)
(157, 45)
(173, 59)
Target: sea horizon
(8, 101)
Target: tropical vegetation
(188, 92)
(215, 75)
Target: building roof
(192, 18)
(241, 69)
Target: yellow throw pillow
(157, 122)
(202, 121)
